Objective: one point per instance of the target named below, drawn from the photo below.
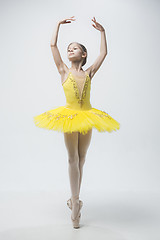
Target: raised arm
(56, 54)
(103, 50)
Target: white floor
(45, 215)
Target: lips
(71, 54)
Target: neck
(76, 66)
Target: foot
(75, 216)
(75, 207)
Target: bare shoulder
(65, 71)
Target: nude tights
(77, 145)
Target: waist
(79, 106)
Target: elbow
(53, 45)
(104, 54)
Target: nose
(71, 52)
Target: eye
(74, 48)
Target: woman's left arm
(103, 49)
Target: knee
(73, 159)
(82, 160)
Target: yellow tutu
(77, 115)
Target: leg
(83, 144)
(71, 142)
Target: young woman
(77, 118)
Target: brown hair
(83, 49)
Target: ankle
(75, 199)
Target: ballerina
(77, 118)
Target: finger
(95, 23)
(72, 19)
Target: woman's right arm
(55, 52)
(56, 55)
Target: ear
(84, 54)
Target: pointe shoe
(69, 203)
(76, 221)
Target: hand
(66, 20)
(97, 25)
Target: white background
(126, 86)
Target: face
(74, 52)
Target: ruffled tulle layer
(68, 120)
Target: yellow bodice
(77, 115)
(74, 98)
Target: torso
(75, 73)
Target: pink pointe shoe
(76, 221)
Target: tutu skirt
(68, 120)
